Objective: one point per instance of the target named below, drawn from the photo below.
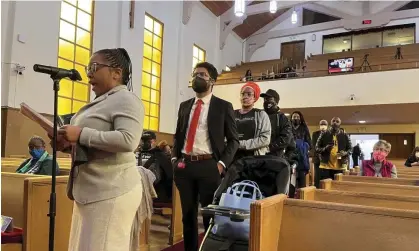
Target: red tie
(193, 126)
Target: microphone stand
(56, 75)
(52, 199)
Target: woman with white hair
(379, 166)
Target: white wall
(335, 90)
(272, 49)
(38, 23)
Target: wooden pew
(399, 190)
(64, 171)
(12, 247)
(176, 226)
(277, 222)
(398, 181)
(363, 198)
(25, 198)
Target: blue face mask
(36, 153)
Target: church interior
(356, 60)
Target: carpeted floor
(159, 234)
(179, 246)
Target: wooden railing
(321, 73)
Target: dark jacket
(314, 138)
(271, 173)
(45, 166)
(281, 134)
(160, 161)
(303, 133)
(221, 126)
(326, 138)
(356, 151)
(411, 159)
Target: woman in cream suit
(106, 189)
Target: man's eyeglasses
(93, 67)
(200, 74)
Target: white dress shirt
(202, 144)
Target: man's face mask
(323, 127)
(200, 83)
(417, 154)
(146, 145)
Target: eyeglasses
(93, 67)
(247, 94)
(381, 149)
(200, 74)
(31, 147)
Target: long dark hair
(303, 122)
(119, 58)
(415, 150)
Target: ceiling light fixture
(294, 17)
(273, 7)
(362, 121)
(239, 6)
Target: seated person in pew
(413, 159)
(41, 162)
(379, 166)
(159, 163)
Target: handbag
(238, 196)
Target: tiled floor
(159, 232)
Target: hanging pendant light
(294, 17)
(239, 6)
(273, 7)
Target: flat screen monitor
(341, 65)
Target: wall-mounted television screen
(341, 65)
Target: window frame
(199, 49)
(91, 32)
(151, 74)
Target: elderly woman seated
(40, 162)
(379, 166)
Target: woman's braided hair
(119, 58)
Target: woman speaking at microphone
(107, 189)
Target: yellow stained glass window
(74, 50)
(151, 74)
(198, 55)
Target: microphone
(58, 73)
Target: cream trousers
(105, 225)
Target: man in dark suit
(316, 160)
(200, 154)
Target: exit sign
(366, 22)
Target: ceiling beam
(326, 10)
(257, 41)
(187, 11)
(284, 16)
(233, 21)
(394, 6)
(366, 8)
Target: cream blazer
(112, 128)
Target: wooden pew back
(37, 194)
(377, 188)
(12, 196)
(357, 198)
(398, 181)
(276, 222)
